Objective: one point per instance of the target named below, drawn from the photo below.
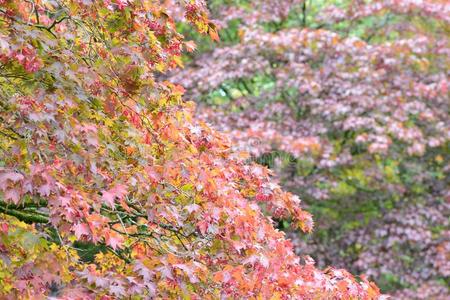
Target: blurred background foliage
(381, 211)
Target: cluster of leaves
(350, 104)
(21, 249)
(124, 193)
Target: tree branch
(26, 217)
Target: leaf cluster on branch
(126, 194)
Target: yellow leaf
(275, 296)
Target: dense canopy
(111, 188)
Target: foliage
(349, 102)
(125, 193)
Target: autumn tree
(111, 189)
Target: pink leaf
(114, 240)
(118, 191)
(44, 190)
(13, 195)
(108, 198)
(152, 174)
(12, 176)
(81, 229)
(192, 207)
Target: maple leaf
(117, 289)
(114, 240)
(6, 176)
(44, 190)
(143, 271)
(81, 229)
(109, 196)
(189, 272)
(166, 272)
(190, 46)
(212, 31)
